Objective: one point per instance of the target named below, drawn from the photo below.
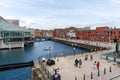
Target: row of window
(101, 33)
(13, 39)
(13, 34)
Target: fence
(45, 70)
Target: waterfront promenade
(68, 71)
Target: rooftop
(6, 26)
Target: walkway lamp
(74, 45)
(74, 51)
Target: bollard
(84, 77)
(43, 67)
(98, 73)
(104, 70)
(48, 74)
(91, 75)
(45, 70)
(110, 69)
(75, 78)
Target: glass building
(11, 36)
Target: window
(0, 34)
(114, 32)
(6, 34)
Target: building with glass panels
(11, 36)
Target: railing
(111, 56)
(115, 77)
(45, 71)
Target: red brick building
(99, 34)
(59, 33)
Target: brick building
(104, 33)
(59, 33)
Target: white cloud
(59, 13)
(116, 1)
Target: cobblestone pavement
(68, 71)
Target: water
(35, 51)
(16, 74)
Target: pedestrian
(76, 62)
(80, 63)
(98, 65)
(94, 65)
(86, 57)
(91, 57)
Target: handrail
(115, 77)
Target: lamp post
(49, 51)
(74, 45)
(74, 51)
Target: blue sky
(50, 14)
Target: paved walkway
(68, 71)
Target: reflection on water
(32, 52)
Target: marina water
(32, 52)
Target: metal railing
(45, 70)
(118, 76)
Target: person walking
(80, 63)
(91, 57)
(94, 65)
(76, 62)
(86, 57)
(98, 65)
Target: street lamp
(49, 51)
(74, 45)
(74, 51)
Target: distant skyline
(50, 14)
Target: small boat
(42, 39)
(48, 48)
(37, 40)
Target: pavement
(68, 71)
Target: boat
(48, 48)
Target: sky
(51, 14)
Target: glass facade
(12, 33)
(27, 34)
(1, 34)
(12, 36)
